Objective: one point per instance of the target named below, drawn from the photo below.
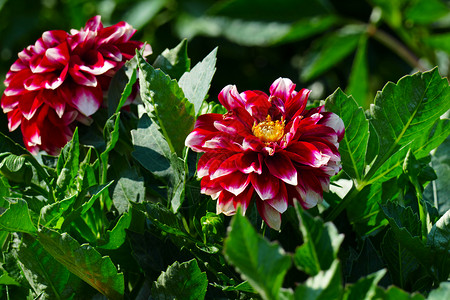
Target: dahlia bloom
(269, 148)
(60, 81)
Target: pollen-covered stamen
(268, 130)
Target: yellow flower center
(268, 130)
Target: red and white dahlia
(270, 145)
(60, 81)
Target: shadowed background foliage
(319, 44)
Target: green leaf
(173, 62)
(128, 189)
(17, 218)
(51, 213)
(426, 11)
(404, 112)
(390, 168)
(354, 144)
(330, 50)
(435, 136)
(111, 134)
(394, 293)
(116, 237)
(400, 262)
(321, 242)
(407, 229)
(8, 145)
(364, 212)
(85, 262)
(364, 288)
(439, 241)
(163, 219)
(121, 86)
(67, 166)
(439, 41)
(195, 83)
(181, 281)
(438, 190)
(95, 192)
(46, 275)
(16, 169)
(326, 285)
(169, 108)
(442, 292)
(263, 264)
(358, 85)
(153, 152)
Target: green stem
(352, 194)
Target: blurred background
(322, 45)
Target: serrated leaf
(110, 134)
(67, 166)
(181, 281)
(174, 62)
(330, 50)
(404, 112)
(364, 288)
(46, 275)
(326, 285)
(320, 246)
(195, 83)
(165, 100)
(435, 137)
(358, 85)
(17, 218)
(165, 220)
(85, 262)
(354, 144)
(406, 227)
(154, 154)
(116, 237)
(263, 264)
(400, 262)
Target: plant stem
(396, 46)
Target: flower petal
(282, 88)
(281, 166)
(270, 215)
(235, 182)
(266, 185)
(230, 98)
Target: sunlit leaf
(263, 264)
(85, 262)
(173, 62)
(442, 292)
(165, 100)
(67, 166)
(17, 218)
(404, 112)
(195, 83)
(321, 242)
(140, 13)
(116, 236)
(181, 281)
(354, 144)
(323, 286)
(364, 288)
(44, 273)
(394, 293)
(129, 188)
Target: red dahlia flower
(60, 80)
(270, 145)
